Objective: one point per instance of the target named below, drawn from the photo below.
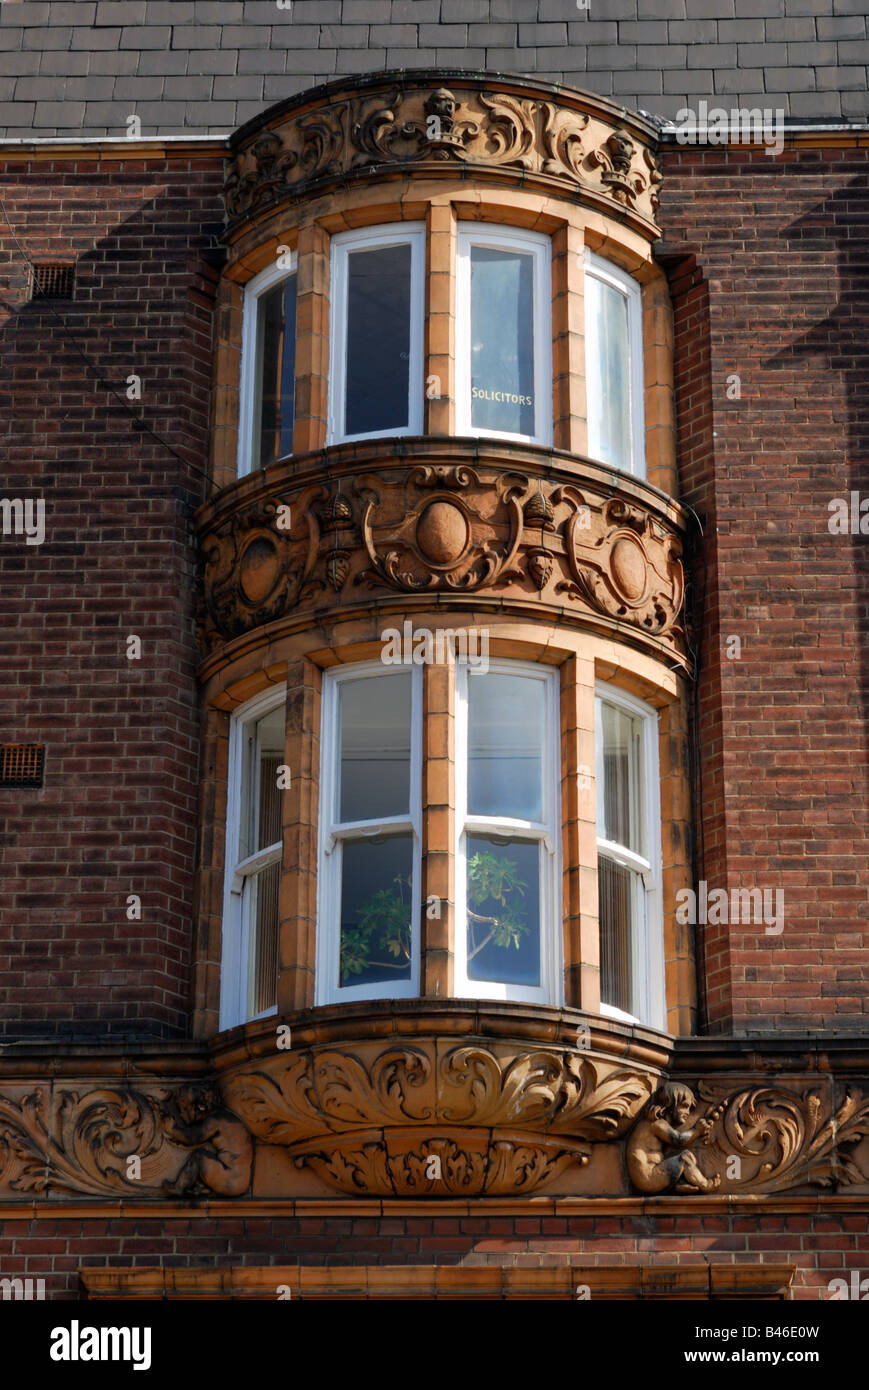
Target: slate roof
(205, 67)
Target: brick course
(821, 1248)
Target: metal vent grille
(52, 280)
(22, 764)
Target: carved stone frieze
(123, 1141)
(426, 1118)
(585, 145)
(432, 1114)
(757, 1139)
(625, 564)
(405, 528)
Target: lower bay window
(370, 812)
(508, 926)
(507, 915)
(629, 858)
(253, 852)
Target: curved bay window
(629, 856)
(614, 366)
(376, 370)
(268, 380)
(503, 372)
(508, 909)
(504, 330)
(369, 884)
(500, 341)
(253, 858)
(508, 915)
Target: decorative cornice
(434, 1101)
(326, 531)
(564, 141)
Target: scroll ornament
(123, 1142)
(495, 1125)
(761, 1139)
(441, 529)
(416, 125)
(386, 1120)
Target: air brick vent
(22, 764)
(52, 280)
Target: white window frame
(648, 980)
(547, 832)
(389, 234)
(332, 834)
(236, 934)
(250, 385)
(506, 239)
(597, 268)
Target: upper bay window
(268, 379)
(376, 359)
(614, 366)
(504, 334)
(504, 347)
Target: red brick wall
(117, 813)
(773, 292)
(822, 1247)
(776, 252)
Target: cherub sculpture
(222, 1155)
(659, 1153)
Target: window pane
(502, 340)
(616, 893)
(378, 339)
(376, 885)
(264, 888)
(506, 717)
(609, 406)
(503, 910)
(277, 366)
(261, 798)
(621, 777)
(375, 747)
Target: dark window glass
(378, 339)
(277, 359)
(502, 340)
(503, 910)
(505, 746)
(265, 889)
(376, 877)
(375, 747)
(616, 893)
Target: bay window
(504, 334)
(507, 916)
(253, 856)
(629, 859)
(268, 380)
(614, 366)
(377, 303)
(508, 932)
(370, 814)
